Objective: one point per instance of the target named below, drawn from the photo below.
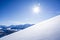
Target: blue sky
(20, 11)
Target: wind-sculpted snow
(46, 30)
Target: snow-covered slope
(46, 30)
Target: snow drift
(46, 30)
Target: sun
(36, 9)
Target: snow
(46, 30)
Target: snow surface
(46, 30)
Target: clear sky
(20, 11)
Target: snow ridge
(46, 30)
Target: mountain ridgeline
(5, 30)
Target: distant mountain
(5, 30)
(20, 26)
(46, 30)
(3, 27)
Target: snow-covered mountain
(46, 30)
